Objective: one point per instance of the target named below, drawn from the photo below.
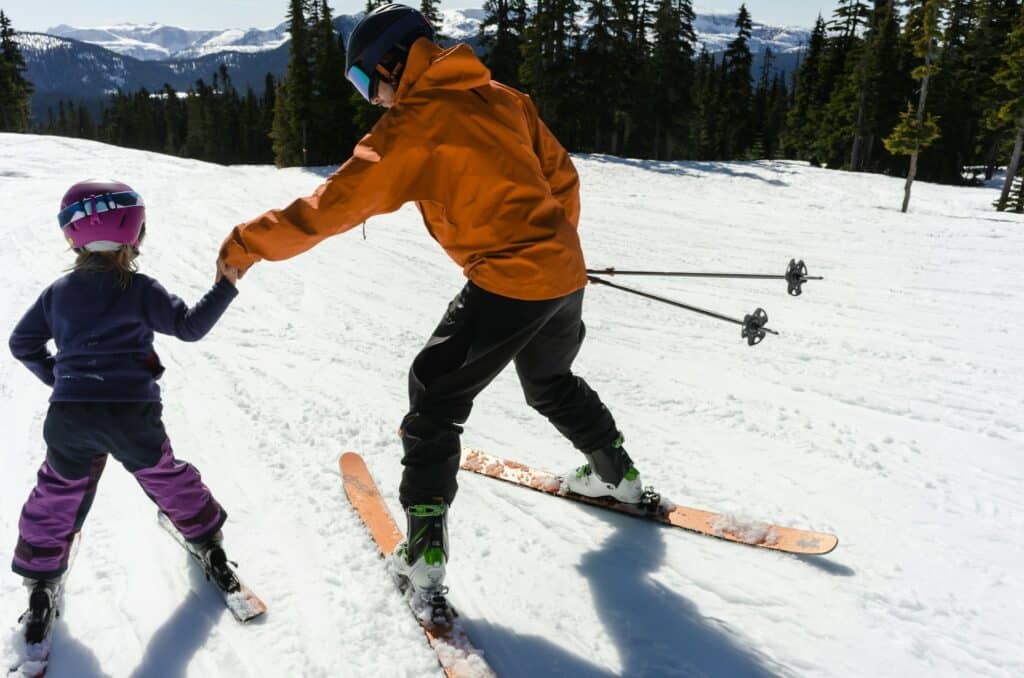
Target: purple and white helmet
(102, 216)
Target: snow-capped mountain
(158, 42)
(90, 63)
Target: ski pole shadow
(659, 632)
(828, 566)
(176, 642)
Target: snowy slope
(888, 412)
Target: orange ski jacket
(494, 186)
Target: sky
(33, 15)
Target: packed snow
(886, 412)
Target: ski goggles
(361, 81)
(98, 204)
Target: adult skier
(501, 195)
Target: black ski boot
(43, 601)
(216, 564)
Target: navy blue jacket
(104, 334)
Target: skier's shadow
(70, 657)
(658, 632)
(176, 642)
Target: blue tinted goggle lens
(104, 203)
(360, 80)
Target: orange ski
(722, 526)
(455, 652)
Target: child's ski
(37, 623)
(239, 598)
(455, 652)
(722, 526)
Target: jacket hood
(430, 67)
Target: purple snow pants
(79, 436)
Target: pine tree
(672, 65)
(291, 115)
(15, 90)
(847, 53)
(502, 34)
(432, 10)
(986, 45)
(736, 63)
(599, 72)
(911, 136)
(331, 135)
(1010, 78)
(875, 79)
(775, 117)
(809, 98)
(550, 50)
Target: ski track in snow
(887, 411)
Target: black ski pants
(480, 334)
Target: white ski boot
(609, 472)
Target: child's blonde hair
(121, 261)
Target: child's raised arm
(168, 314)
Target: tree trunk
(920, 120)
(1011, 171)
(913, 158)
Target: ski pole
(753, 324)
(796, 275)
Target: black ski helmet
(382, 30)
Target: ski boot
(43, 608)
(421, 559)
(609, 472)
(211, 556)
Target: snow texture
(887, 412)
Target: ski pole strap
(754, 329)
(795, 276)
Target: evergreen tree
(759, 107)
(736, 63)
(15, 90)
(547, 71)
(847, 51)
(986, 44)
(915, 131)
(502, 34)
(810, 95)
(1010, 78)
(672, 65)
(599, 72)
(331, 134)
(174, 121)
(877, 82)
(291, 115)
(775, 117)
(432, 10)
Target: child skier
(105, 399)
(501, 195)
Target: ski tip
(350, 461)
